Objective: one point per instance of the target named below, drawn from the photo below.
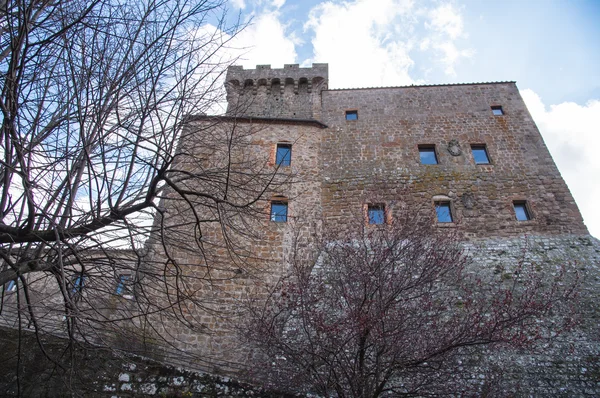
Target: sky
(551, 48)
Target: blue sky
(550, 47)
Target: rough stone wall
(221, 285)
(96, 299)
(569, 365)
(375, 159)
(91, 372)
(291, 92)
(335, 170)
(377, 156)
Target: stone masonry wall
(220, 284)
(291, 92)
(378, 155)
(569, 365)
(336, 170)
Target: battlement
(264, 75)
(288, 92)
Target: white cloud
(450, 55)
(445, 19)
(572, 134)
(265, 42)
(369, 42)
(241, 4)
(278, 3)
(361, 42)
(445, 26)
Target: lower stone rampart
(567, 365)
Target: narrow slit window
(351, 115)
(284, 155)
(10, 286)
(77, 285)
(521, 211)
(427, 154)
(376, 213)
(124, 286)
(279, 211)
(480, 154)
(497, 110)
(443, 212)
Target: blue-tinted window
(521, 211)
(279, 211)
(284, 155)
(427, 154)
(78, 283)
(444, 214)
(497, 111)
(351, 115)
(123, 285)
(376, 214)
(10, 286)
(480, 154)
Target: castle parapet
(291, 92)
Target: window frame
(281, 161)
(351, 112)
(78, 283)
(480, 147)
(437, 204)
(526, 210)
(497, 110)
(123, 288)
(372, 207)
(10, 286)
(275, 217)
(428, 148)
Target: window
(10, 286)
(284, 155)
(443, 212)
(427, 154)
(480, 154)
(77, 284)
(124, 286)
(497, 110)
(521, 210)
(279, 211)
(351, 115)
(376, 214)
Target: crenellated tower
(288, 93)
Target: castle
(467, 156)
(292, 157)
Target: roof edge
(251, 119)
(424, 85)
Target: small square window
(521, 211)
(376, 214)
(443, 212)
(427, 154)
(10, 286)
(124, 286)
(77, 285)
(284, 155)
(480, 154)
(279, 211)
(351, 115)
(497, 110)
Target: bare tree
(95, 96)
(383, 310)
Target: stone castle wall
(291, 92)
(377, 156)
(220, 283)
(339, 166)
